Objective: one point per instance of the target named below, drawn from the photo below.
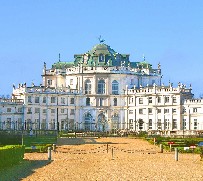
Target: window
(159, 99)
(88, 86)
(166, 123)
(150, 100)
(37, 110)
(130, 123)
(150, 110)
(140, 111)
(184, 110)
(174, 110)
(150, 123)
(62, 100)
(140, 100)
(159, 110)
(8, 109)
(130, 100)
(53, 99)
(115, 101)
(174, 100)
(174, 124)
(184, 124)
(114, 87)
(62, 110)
(101, 58)
(43, 124)
(159, 124)
(101, 87)
(52, 110)
(44, 100)
(71, 81)
(195, 123)
(87, 101)
(194, 110)
(166, 110)
(49, 82)
(29, 99)
(72, 100)
(36, 99)
(20, 109)
(8, 123)
(140, 124)
(72, 112)
(52, 124)
(167, 99)
(29, 110)
(44, 111)
(130, 111)
(100, 101)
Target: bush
(11, 155)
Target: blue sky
(36, 31)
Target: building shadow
(22, 170)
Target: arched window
(88, 121)
(101, 58)
(87, 86)
(101, 87)
(114, 87)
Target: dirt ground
(126, 159)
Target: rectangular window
(8, 109)
(100, 101)
(159, 99)
(194, 110)
(43, 124)
(140, 100)
(150, 110)
(62, 110)
(52, 110)
(167, 99)
(37, 110)
(115, 101)
(150, 123)
(44, 100)
(44, 111)
(62, 100)
(72, 100)
(36, 99)
(195, 123)
(159, 124)
(49, 82)
(53, 99)
(159, 110)
(131, 124)
(166, 110)
(87, 101)
(130, 111)
(140, 122)
(29, 110)
(184, 124)
(130, 100)
(184, 110)
(166, 123)
(140, 111)
(20, 109)
(174, 100)
(150, 100)
(174, 110)
(174, 124)
(29, 99)
(72, 112)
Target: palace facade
(102, 90)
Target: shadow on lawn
(21, 170)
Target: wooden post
(49, 153)
(112, 154)
(107, 148)
(161, 148)
(176, 154)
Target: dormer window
(101, 58)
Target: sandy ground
(132, 159)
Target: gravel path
(133, 159)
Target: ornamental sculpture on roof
(101, 40)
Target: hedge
(10, 155)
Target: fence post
(112, 154)
(176, 154)
(54, 147)
(161, 148)
(49, 153)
